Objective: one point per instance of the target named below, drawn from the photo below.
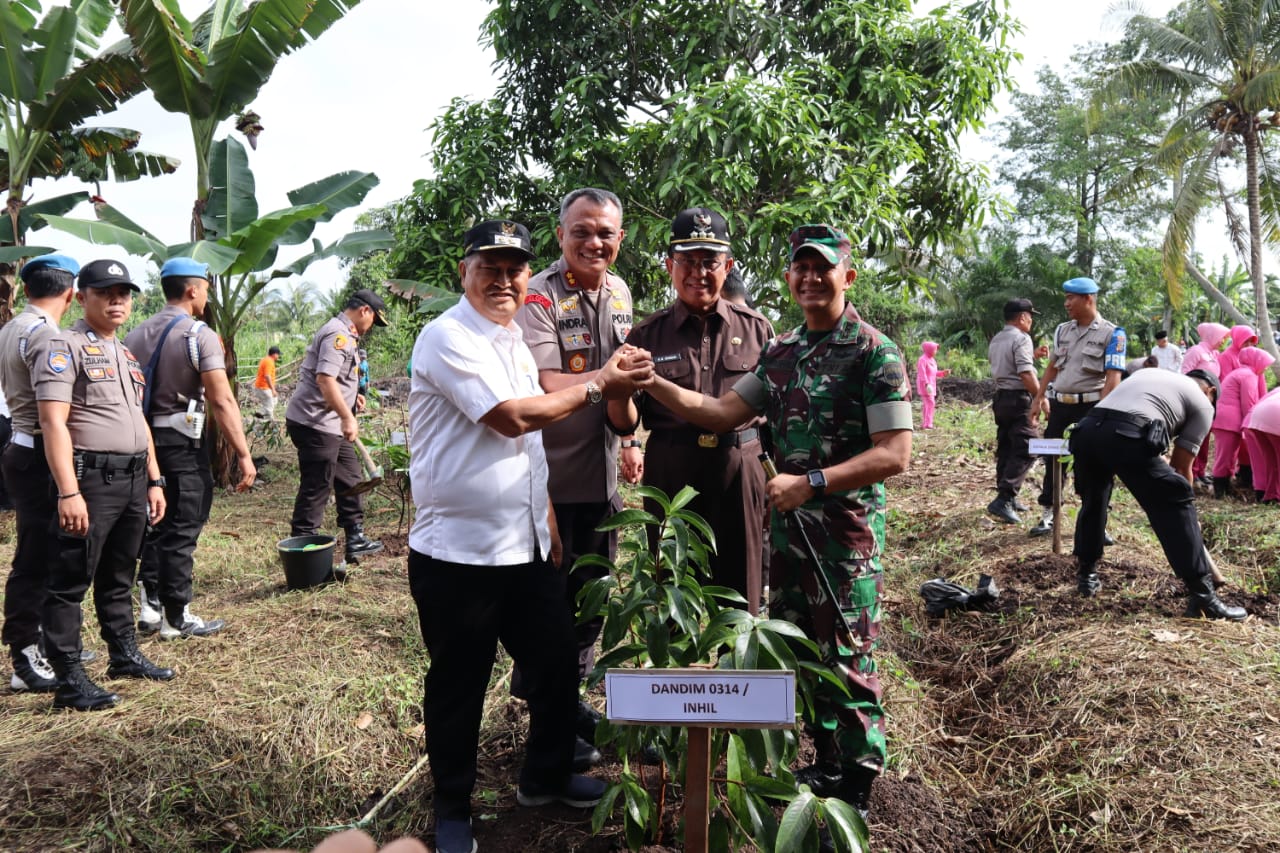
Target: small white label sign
(1048, 447)
(713, 697)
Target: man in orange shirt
(264, 387)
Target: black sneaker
(359, 545)
(580, 792)
(585, 755)
(31, 672)
(1043, 528)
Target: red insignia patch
(538, 299)
(577, 363)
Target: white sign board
(1048, 447)
(723, 698)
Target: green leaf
(17, 76)
(658, 639)
(797, 822)
(14, 254)
(627, 517)
(657, 496)
(353, 245)
(336, 192)
(106, 234)
(847, 828)
(174, 66)
(32, 215)
(232, 202)
(56, 40)
(219, 258)
(260, 237)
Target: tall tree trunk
(1266, 337)
(1215, 295)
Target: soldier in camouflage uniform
(836, 395)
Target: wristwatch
(158, 482)
(593, 393)
(817, 482)
(631, 442)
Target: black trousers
(464, 612)
(1013, 431)
(1168, 500)
(577, 523)
(326, 462)
(117, 501)
(730, 485)
(1061, 416)
(31, 490)
(168, 553)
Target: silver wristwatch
(594, 394)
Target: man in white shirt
(1168, 355)
(483, 546)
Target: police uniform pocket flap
(675, 369)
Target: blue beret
(1080, 285)
(54, 262)
(185, 268)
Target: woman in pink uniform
(1262, 437)
(927, 376)
(1204, 356)
(1240, 393)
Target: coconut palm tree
(1220, 59)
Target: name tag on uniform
(664, 359)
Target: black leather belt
(1000, 391)
(691, 438)
(126, 462)
(1117, 415)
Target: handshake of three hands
(628, 371)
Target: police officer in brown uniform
(47, 281)
(89, 391)
(321, 421)
(706, 343)
(187, 372)
(576, 314)
(1086, 363)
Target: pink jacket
(1242, 337)
(927, 372)
(1265, 416)
(1240, 391)
(1204, 355)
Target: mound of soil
(972, 391)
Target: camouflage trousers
(848, 730)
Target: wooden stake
(697, 798)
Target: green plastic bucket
(307, 560)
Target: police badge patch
(577, 363)
(59, 361)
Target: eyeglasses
(704, 264)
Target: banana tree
(240, 244)
(51, 82)
(212, 68)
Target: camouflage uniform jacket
(824, 399)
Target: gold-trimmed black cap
(699, 228)
(498, 234)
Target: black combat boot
(1087, 581)
(1221, 487)
(1203, 602)
(128, 661)
(75, 690)
(359, 545)
(1244, 479)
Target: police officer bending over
(187, 371)
(1125, 436)
(89, 391)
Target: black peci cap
(1014, 307)
(496, 234)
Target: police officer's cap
(375, 303)
(832, 243)
(1014, 307)
(106, 273)
(1082, 286)
(184, 268)
(495, 234)
(1210, 380)
(52, 261)
(699, 228)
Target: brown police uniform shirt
(708, 355)
(1079, 353)
(1011, 354)
(190, 349)
(567, 331)
(332, 352)
(23, 343)
(102, 381)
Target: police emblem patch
(735, 340)
(577, 363)
(340, 342)
(59, 361)
(702, 227)
(618, 305)
(570, 304)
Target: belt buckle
(708, 440)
